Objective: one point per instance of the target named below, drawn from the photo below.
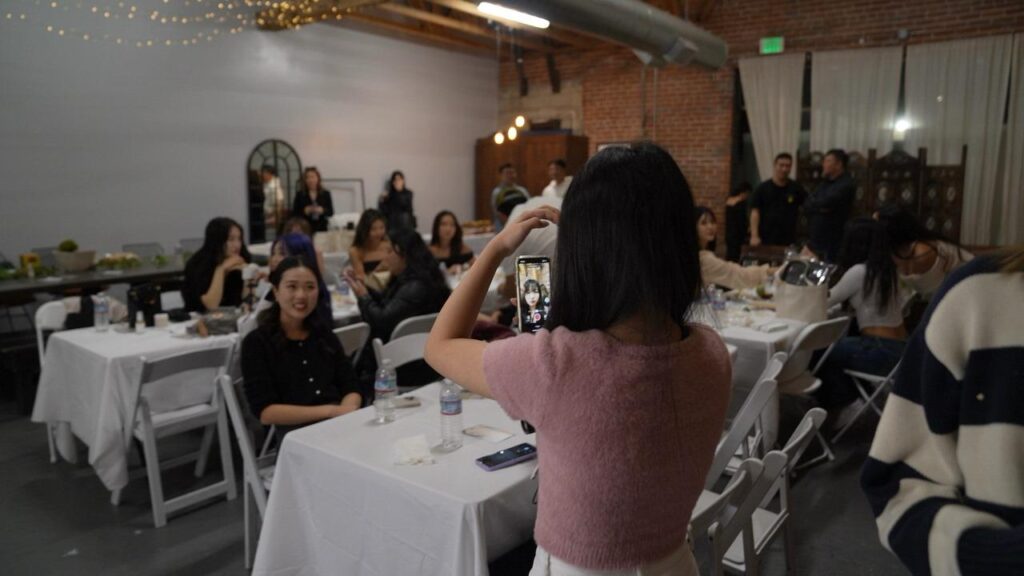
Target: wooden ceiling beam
(410, 32)
(559, 35)
(460, 26)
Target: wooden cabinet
(530, 154)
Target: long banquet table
(340, 505)
(145, 273)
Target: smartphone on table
(533, 292)
(507, 457)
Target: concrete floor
(57, 519)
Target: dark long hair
(903, 229)
(391, 182)
(621, 248)
(370, 215)
(270, 319)
(319, 179)
(419, 262)
(435, 239)
(865, 242)
(701, 212)
(532, 285)
(300, 245)
(211, 254)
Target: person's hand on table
(357, 285)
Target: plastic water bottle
(451, 415)
(385, 387)
(101, 312)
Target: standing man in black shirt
(829, 207)
(775, 207)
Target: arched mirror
(272, 174)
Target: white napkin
(412, 451)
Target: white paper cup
(161, 320)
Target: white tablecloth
(89, 382)
(339, 505)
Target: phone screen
(533, 291)
(516, 453)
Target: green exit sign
(773, 45)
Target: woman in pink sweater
(628, 399)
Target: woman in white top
(871, 288)
(924, 257)
(714, 270)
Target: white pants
(678, 563)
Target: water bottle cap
(386, 362)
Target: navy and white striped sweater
(945, 475)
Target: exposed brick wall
(695, 105)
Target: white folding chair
(870, 387)
(739, 485)
(414, 325)
(734, 522)
(766, 427)
(742, 429)
(148, 427)
(353, 339)
(400, 351)
(144, 250)
(767, 524)
(257, 472)
(797, 379)
(49, 318)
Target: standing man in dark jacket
(829, 207)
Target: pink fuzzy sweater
(625, 434)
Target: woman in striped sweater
(945, 475)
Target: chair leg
(224, 439)
(156, 489)
(787, 542)
(247, 524)
(115, 497)
(204, 451)
(826, 455)
(52, 443)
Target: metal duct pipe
(656, 36)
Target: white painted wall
(108, 144)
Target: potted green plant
(70, 259)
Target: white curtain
(772, 90)
(956, 95)
(854, 94)
(1010, 204)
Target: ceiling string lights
(161, 23)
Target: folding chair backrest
(400, 351)
(735, 491)
(215, 358)
(49, 317)
(816, 336)
(144, 250)
(414, 325)
(734, 519)
(804, 433)
(353, 339)
(228, 389)
(741, 429)
(774, 367)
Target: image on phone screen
(533, 288)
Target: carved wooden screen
(942, 198)
(895, 177)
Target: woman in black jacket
(313, 201)
(213, 275)
(396, 203)
(417, 287)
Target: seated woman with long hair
(295, 370)
(713, 269)
(924, 257)
(213, 275)
(370, 245)
(870, 287)
(617, 372)
(446, 243)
